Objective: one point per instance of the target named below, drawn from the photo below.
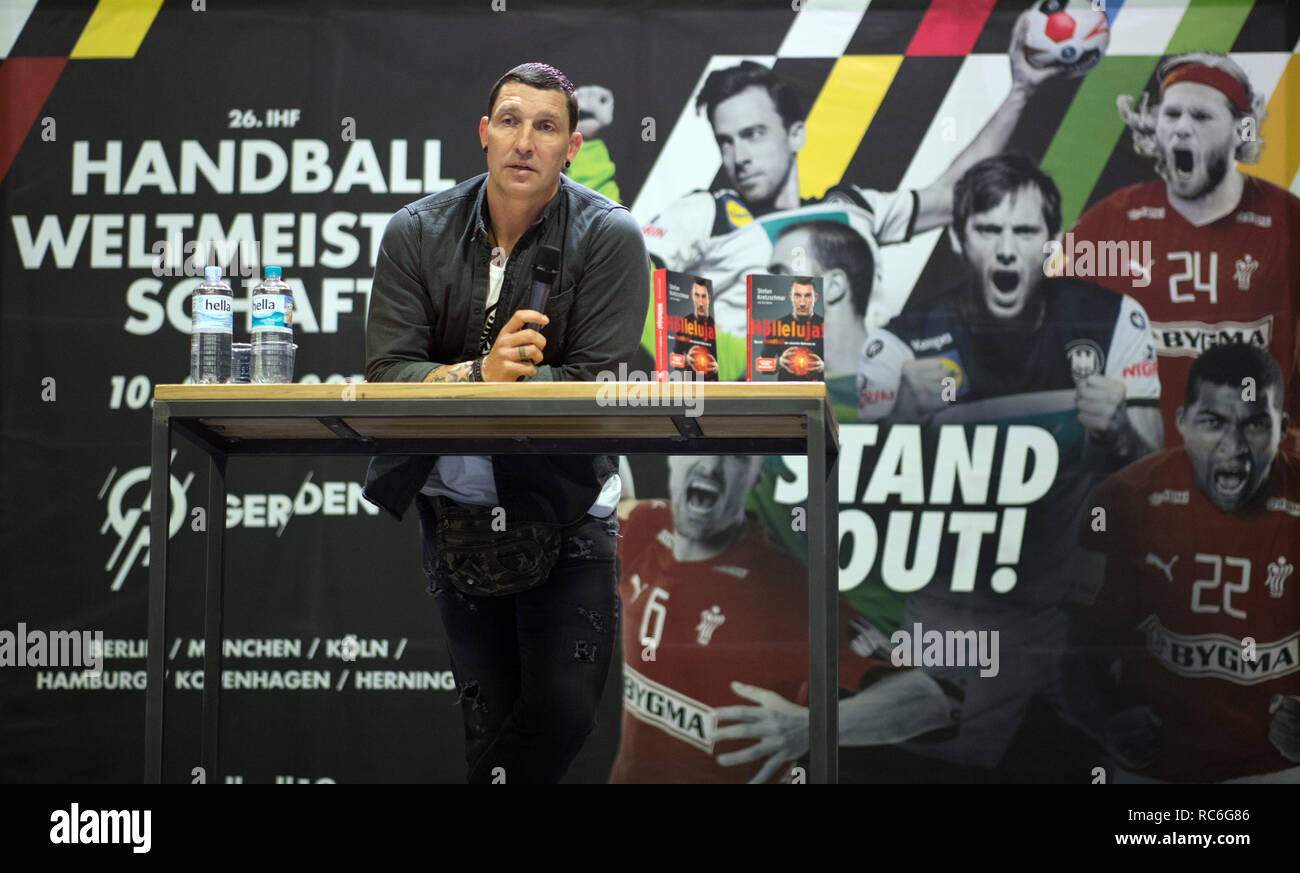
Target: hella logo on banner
(1190, 338)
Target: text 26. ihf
(248, 118)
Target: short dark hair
(704, 283)
(722, 84)
(1229, 364)
(984, 185)
(543, 76)
(837, 246)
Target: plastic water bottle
(211, 328)
(272, 329)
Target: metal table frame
(183, 409)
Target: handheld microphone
(545, 270)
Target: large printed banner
(1038, 581)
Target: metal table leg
(159, 516)
(823, 607)
(214, 591)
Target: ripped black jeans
(530, 667)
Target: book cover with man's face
(690, 340)
(786, 329)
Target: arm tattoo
(461, 372)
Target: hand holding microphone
(518, 347)
(545, 270)
(517, 350)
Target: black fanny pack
(481, 554)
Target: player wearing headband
(1222, 264)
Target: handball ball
(1066, 33)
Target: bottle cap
(212, 275)
(272, 273)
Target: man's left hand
(1284, 726)
(517, 350)
(780, 726)
(1100, 401)
(1133, 736)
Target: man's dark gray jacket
(427, 305)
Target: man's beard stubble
(999, 335)
(1215, 172)
(768, 203)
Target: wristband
(476, 371)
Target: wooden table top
(691, 414)
(467, 390)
